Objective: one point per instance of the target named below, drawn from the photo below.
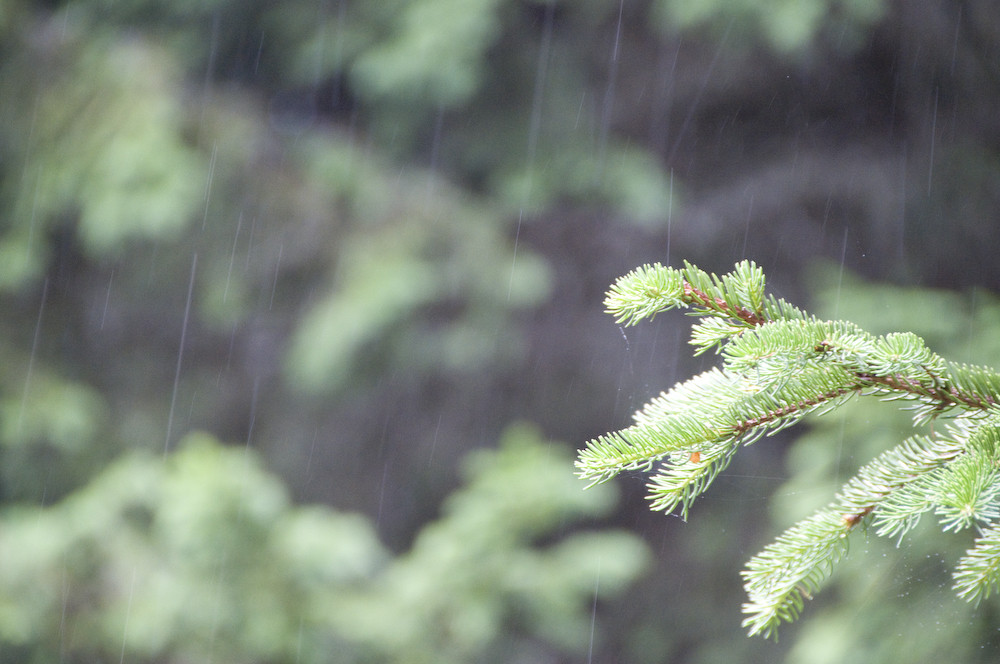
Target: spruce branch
(977, 574)
(778, 364)
(791, 569)
(651, 289)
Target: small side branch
(802, 407)
(699, 298)
(944, 396)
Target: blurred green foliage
(207, 204)
(432, 55)
(786, 26)
(417, 241)
(111, 105)
(200, 556)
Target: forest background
(302, 316)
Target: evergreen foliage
(778, 365)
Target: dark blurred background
(303, 316)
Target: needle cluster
(779, 364)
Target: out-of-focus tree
(228, 216)
(200, 556)
(787, 27)
(336, 186)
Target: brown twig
(697, 297)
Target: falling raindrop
(277, 269)
(746, 230)
(34, 352)
(954, 46)
(593, 614)
(232, 256)
(534, 126)
(381, 495)
(434, 440)
(208, 183)
(128, 613)
(930, 161)
(107, 299)
(696, 102)
(180, 353)
(609, 93)
(513, 260)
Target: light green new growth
(779, 364)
